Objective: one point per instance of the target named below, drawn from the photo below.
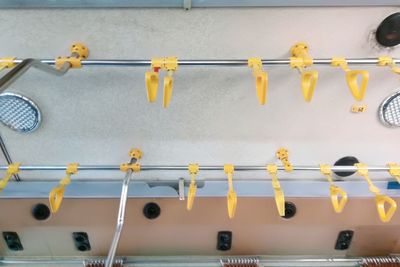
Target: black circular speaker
(388, 32)
(346, 161)
(40, 212)
(151, 210)
(290, 210)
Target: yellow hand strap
(279, 196)
(261, 79)
(381, 200)
(151, 85)
(301, 59)
(57, 193)
(388, 61)
(394, 170)
(11, 170)
(231, 197)
(6, 62)
(283, 155)
(337, 194)
(358, 91)
(193, 171)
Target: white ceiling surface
(95, 115)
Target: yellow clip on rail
(193, 171)
(57, 193)
(279, 196)
(283, 155)
(337, 194)
(394, 170)
(384, 214)
(11, 170)
(388, 61)
(301, 59)
(78, 52)
(231, 197)
(261, 79)
(169, 64)
(6, 62)
(358, 91)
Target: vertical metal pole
(7, 156)
(121, 216)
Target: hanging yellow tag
(12, 169)
(193, 171)
(57, 194)
(279, 196)
(338, 195)
(168, 82)
(261, 79)
(385, 205)
(151, 85)
(231, 197)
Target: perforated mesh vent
(19, 113)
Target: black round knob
(151, 210)
(388, 32)
(40, 212)
(290, 210)
(346, 161)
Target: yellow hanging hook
(358, 91)
(231, 197)
(300, 59)
(388, 61)
(261, 79)
(57, 193)
(384, 214)
(170, 65)
(193, 171)
(279, 196)
(337, 194)
(151, 78)
(12, 169)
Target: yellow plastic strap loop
(11, 170)
(135, 167)
(6, 62)
(168, 83)
(193, 171)
(382, 201)
(388, 61)
(394, 170)
(57, 193)
(283, 155)
(261, 79)
(231, 197)
(308, 83)
(338, 195)
(352, 76)
(151, 85)
(279, 196)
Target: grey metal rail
(208, 62)
(185, 168)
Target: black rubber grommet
(151, 210)
(346, 161)
(41, 212)
(290, 210)
(388, 32)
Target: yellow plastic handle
(338, 198)
(231, 196)
(388, 61)
(57, 193)
(193, 171)
(385, 214)
(151, 85)
(308, 83)
(357, 90)
(11, 170)
(279, 196)
(394, 170)
(168, 83)
(261, 86)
